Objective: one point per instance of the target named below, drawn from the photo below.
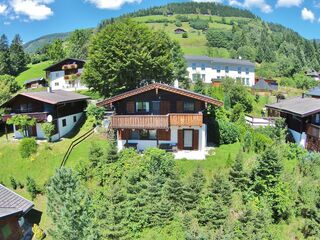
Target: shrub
(48, 130)
(199, 24)
(184, 35)
(229, 132)
(38, 233)
(32, 187)
(20, 185)
(13, 182)
(27, 147)
(178, 23)
(261, 142)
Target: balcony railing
(155, 121)
(313, 130)
(39, 116)
(185, 119)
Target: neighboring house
(302, 115)
(13, 208)
(35, 83)
(263, 86)
(313, 74)
(63, 108)
(314, 92)
(161, 115)
(179, 31)
(66, 75)
(210, 69)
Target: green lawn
(33, 71)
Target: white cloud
(111, 4)
(216, 1)
(3, 9)
(261, 4)
(289, 3)
(33, 9)
(307, 15)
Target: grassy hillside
(33, 71)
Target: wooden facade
(10, 229)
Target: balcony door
(188, 139)
(156, 107)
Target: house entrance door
(187, 139)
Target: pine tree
(112, 155)
(174, 191)
(18, 58)
(5, 66)
(220, 188)
(237, 174)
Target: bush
(32, 187)
(48, 130)
(178, 23)
(261, 142)
(185, 35)
(229, 132)
(38, 233)
(199, 24)
(13, 182)
(27, 147)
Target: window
(142, 107)
(243, 81)
(203, 67)
(6, 231)
(247, 71)
(135, 135)
(144, 135)
(196, 77)
(74, 119)
(57, 74)
(239, 70)
(227, 69)
(218, 77)
(56, 84)
(64, 122)
(247, 81)
(218, 69)
(194, 66)
(153, 134)
(203, 77)
(188, 106)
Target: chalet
(302, 115)
(313, 74)
(179, 31)
(35, 83)
(66, 75)
(63, 108)
(314, 92)
(161, 115)
(13, 208)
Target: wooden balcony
(156, 121)
(313, 130)
(140, 122)
(39, 116)
(186, 119)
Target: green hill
(33, 71)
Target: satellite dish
(49, 118)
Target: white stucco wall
(57, 82)
(70, 124)
(211, 71)
(144, 144)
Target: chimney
(49, 90)
(176, 83)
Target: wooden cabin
(302, 115)
(160, 115)
(63, 108)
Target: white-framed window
(142, 106)
(203, 77)
(239, 70)
(218, 69)
(247, 81)
(218, 77)
(227, 69)
(56, 84)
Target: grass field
(33, 71)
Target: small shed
(179, 31)
(262, 86)
(35, 83)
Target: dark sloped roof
(314, 92)
(263, 85)
(302, 106)
(164, 87)
(33, 80)
(220, 60)
(53, 97)
(58, 65)
(12, 203)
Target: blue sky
(34, 18)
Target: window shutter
(130, 107)
(180, 139)
(197, 106)
(164, 107)
(164, 135)
(179, 106)
(195, 140)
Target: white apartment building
(212, 69)
(66, 75)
